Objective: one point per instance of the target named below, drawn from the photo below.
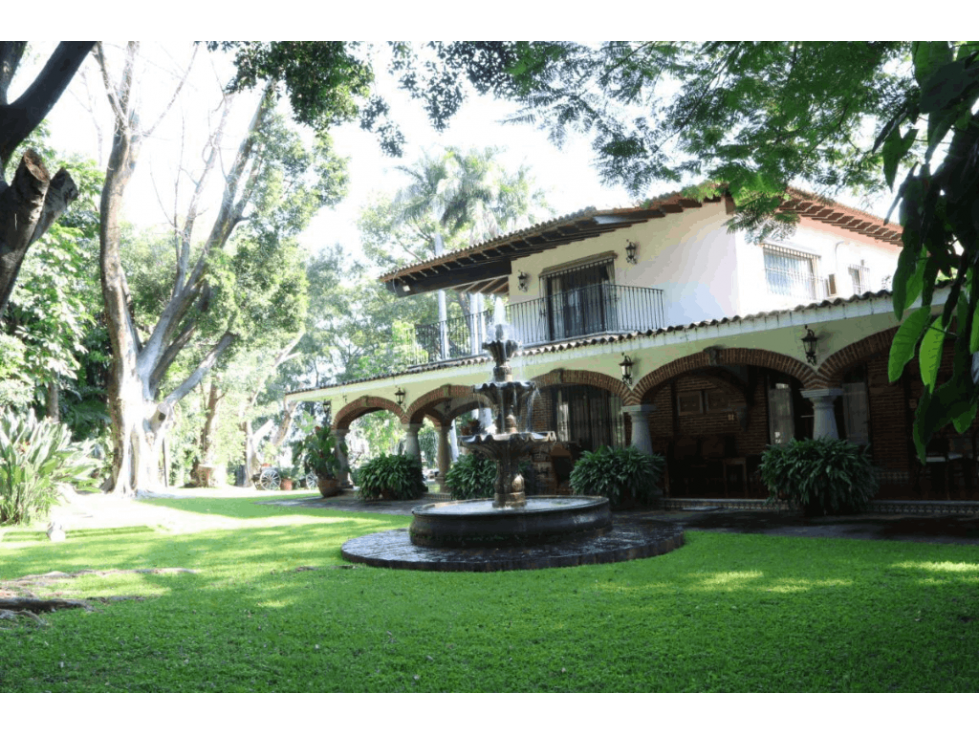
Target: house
(658, 327)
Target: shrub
(623, 475)
(472, 477)
(35, 457)
(391, 477)
(822, 475)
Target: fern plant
(393, 477)
(623, 475)
(35, 457)
(472, 477)
(823, 476)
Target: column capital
(643, 409)
(822, 393)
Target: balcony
(597, 309)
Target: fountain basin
(476, 523)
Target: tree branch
(194, 378)
(11, 53)
(180, 85)
(19, 119)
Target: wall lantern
(399, 395)
(630, 252)
(809, 342)
(626, 366)
(522, 279)
(327, 411)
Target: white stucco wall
(706, 272)
(690, 256)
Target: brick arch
(651, 382)
(833, 367)
(425, 405)
(584, 377)
(362, 406)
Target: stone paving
(625, 542)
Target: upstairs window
(790, 273)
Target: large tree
(266, 164)
(33, 198)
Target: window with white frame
(859, 279)
(790, 272)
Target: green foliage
(622, 475)
(394, 477)
(822, 476)
(471, 477)
(316, 452)
(35, 457)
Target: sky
(171, 156)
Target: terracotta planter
(328, 486)
(285, 484)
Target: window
(790, 273)
(689, 403)
(717, 401)
(856, 409)
(859, 278)
(580, 300)
(588, 416)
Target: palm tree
(463, 198)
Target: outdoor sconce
(630, 252)
(327, 410)
(399, 395)
(809, 342)
(626, 366)
(522, 279)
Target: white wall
(837, 250)
(690, 256)
(706, 272)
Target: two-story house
(657, 326)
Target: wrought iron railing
(597, 309)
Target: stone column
(444, 455)
(343, 475)
(412, 447)
(824, 424)
(639, 418)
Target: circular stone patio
(627, 541)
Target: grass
(724, 613)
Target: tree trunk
(28, 206)
(210, 424)
(54, 403)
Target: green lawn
(724, 613)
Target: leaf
(907, 268)
(902, 347)
(947, 84)
(895, 148)
(930, 354)
(974, 332)
(928, 57)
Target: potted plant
(822, 476)
(288, 479)
(316, 452)
(469, 426)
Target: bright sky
(171, 157)
(567, 176)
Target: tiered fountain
(509, 518)
(512, 531)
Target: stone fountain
(512, 531)
(509, 518)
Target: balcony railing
(597, 309)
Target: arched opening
(713, 424)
